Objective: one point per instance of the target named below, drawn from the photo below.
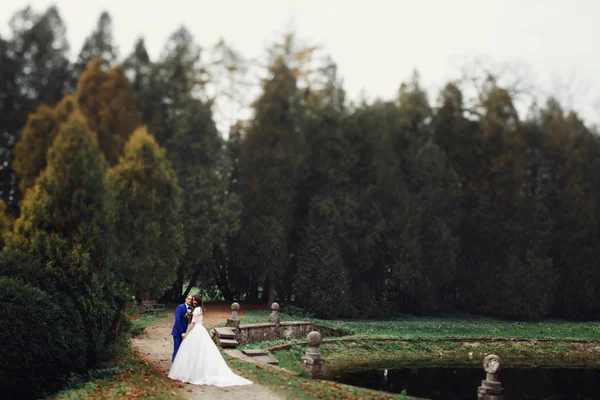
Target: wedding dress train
(199, 361)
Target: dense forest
(117, 185)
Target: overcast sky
(376, 43)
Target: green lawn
(456, 326)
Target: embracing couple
(196, 358)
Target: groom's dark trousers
(179, 327)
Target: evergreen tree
(149, 236)
(35, 71)
(271, 153)
(316, 256)
(435, 192)
(321, 285)
(108, 102)
(100, 44)
(175, 79)
(138, 68)
(36, 138)
(507, 224)
(570, 190)
(40, 48)
(65, 218)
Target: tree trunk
(222, 283)
(220, 273)
(253, 290)
(192, 281)
(268, 293)
(114, 330)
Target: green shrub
(42, 339)
(17, 263)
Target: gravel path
(157, 346)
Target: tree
(414, 106)
(35, 71)
(40, 48)
(321, 284)
(375, 206)
(149, 236)
(64, 219)
(319, 203)
(138, 68)
(175, 78)
(435, 193)
(210, 211)
(569, 188)
(36, 138)
(181, 116)
(100, 44)
(10, 120)
(507, 224)
(108, 103)
(269, 162)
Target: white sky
(376, 43)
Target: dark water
(458, 383)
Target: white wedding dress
(199, 361)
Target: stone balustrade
(275, 329)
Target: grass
(419, 341)
(293, 386)
(349, 356)
(128, 376)
(456, 326)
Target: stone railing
(313, 363)
(275, 329)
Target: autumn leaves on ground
(142, 372)
(143, 369)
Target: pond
(457, 383)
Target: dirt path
(157, 347)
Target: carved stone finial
(314, 339)
(312, 362)
(274, 317)
(492, 364)
(491, 388)
(234, 321)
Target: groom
(181, 324)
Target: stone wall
(252, 333)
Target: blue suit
(180, 327)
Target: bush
(295, 312)
(42, 339)
(29, 267)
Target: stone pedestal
(274, 317)
(491, 388)
(234, 321)
(312, 362)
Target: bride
(198, 360)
